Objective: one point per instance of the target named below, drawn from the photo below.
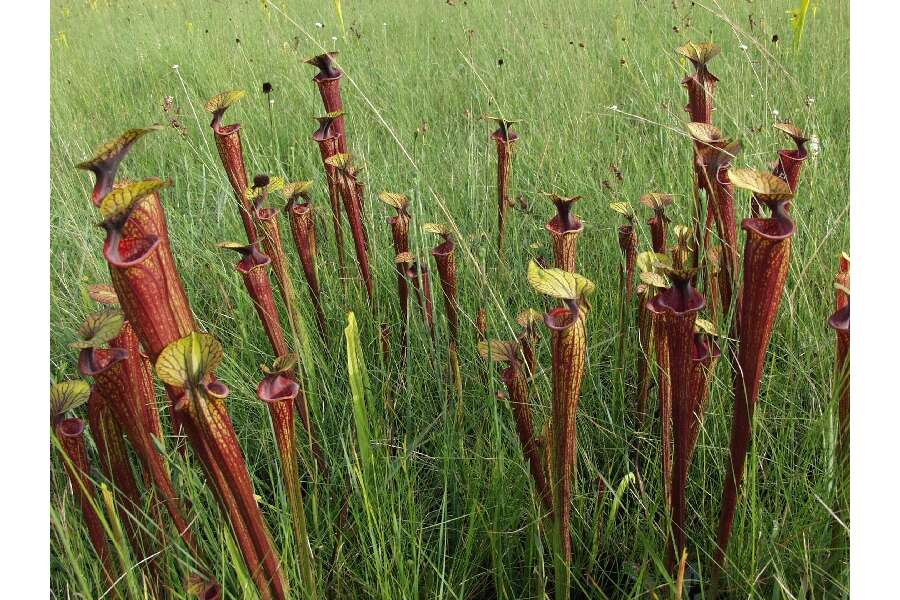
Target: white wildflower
(814, 145)
(743, 46)
(775, 112)
(174, 67)
(613, 107)
(319, 25)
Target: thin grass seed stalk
(231, 153)
(767, 251)
(301, 216)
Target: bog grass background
(451, 515)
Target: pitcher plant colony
(698, 301)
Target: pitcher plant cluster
(703, 298)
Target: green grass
(451, 515)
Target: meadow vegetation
(416, 478)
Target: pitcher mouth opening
(94, 361)
(278, 388)
(225, 130)
(71, 428)
(775, 228)
(680, 299)
(444, 248)
(561, 318)
(124, 253)
(557, 226)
